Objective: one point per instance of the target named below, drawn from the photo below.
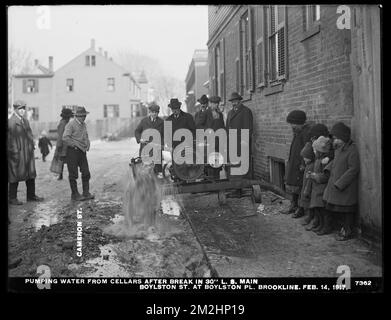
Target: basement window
(277, 172)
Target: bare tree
(19, 61)
(165, 86)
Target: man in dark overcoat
(295, 166)
(21, 160)
(200, 116)
(180, 120)
(152, 121)
(240, 117)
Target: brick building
(281, 58)
(196, 76)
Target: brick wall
(319, 82)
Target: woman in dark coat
(341, 193)
(61, 148)
(295, 166)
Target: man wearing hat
(77, 141)
(295, 166)
(180, 120)
(21, 160)
(152, 121)
(240, 117)
(214, 121)
(200, 116)
(61, 148)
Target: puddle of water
(44, 215)
(107, 265)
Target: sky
(168, 33)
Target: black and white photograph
(195, 148)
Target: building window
(260, 50)
(87, 61)
(110, 84)
(277, 172)
(90, 61)
(246, 51)
(69, 85)
(111, 111)
(30, 85)
(311, 16)
(277, 43)
(217, 58)
(93, 61)
(32, 113)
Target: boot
(327, 227)
(86, 190)
(346, 232)
(321, 223)
(15, 202)
(75, 193)
(308, 218)
(298, 213)
(314, 223)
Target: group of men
(72, 146)
(208, 117)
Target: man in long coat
(200, 116)
(180, 120)
(21, 160)
(152, 121)
(240, 117)
(295, 167)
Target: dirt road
(239, 241)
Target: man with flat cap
(180, 120)
(76, 139)
(21, 160)
(240, 117)
(200, 116)
(294, 169)
(152, 121)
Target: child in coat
(341, 193)
(43, 144)
(319, 178)
(305, 197)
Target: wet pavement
(239, 239)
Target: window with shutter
(105, 111)
(237, 69)
(311, 16)
(277, 43)
(222, 72)
(260, 50)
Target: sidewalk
(243, 243)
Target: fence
(123, 127)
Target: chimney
(36, 62)
(92, 43)
(106, 54)
(51, 63)
(100, 50)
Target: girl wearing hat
(341, 193)
(43, 145)
(319, 177)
